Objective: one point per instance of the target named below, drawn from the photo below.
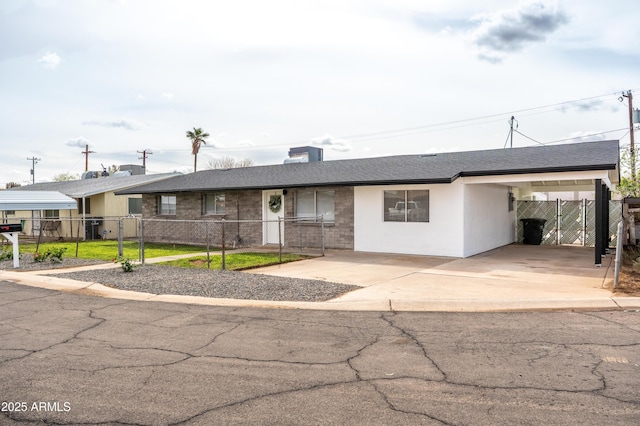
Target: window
(406, 206)
(52, 214)
(87, 202)
(311, 204)
(213, 203)
(167, 205)
(135, 205)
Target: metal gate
(568, 222)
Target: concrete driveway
(514, 277)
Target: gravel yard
(158, 279)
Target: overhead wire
(434, 127)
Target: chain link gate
(568, 222)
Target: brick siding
(246, 205)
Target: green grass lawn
(108, 249)
(235, 261)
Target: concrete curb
(36, 279)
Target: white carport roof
(35, 200)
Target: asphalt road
(77, 359)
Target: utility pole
(86, 153)
(145, 153)
(511, 130)
(629, 95)
(34, 161)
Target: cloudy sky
(359, 78)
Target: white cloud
(334, 144)
(50, 61)
(168, 96)
(79, 142)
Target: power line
(447, 123)
(434, 127)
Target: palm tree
(197, 137)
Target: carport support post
(600, 196)
(605, 219)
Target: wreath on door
(275, 203)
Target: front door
(273, 208)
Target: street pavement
(69, 358)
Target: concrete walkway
(511, 278)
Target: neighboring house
(98, 207)
(450, 204)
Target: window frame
(51, 214)
(406, 199)
(215, 212)
(315, 218)
(138, 202)
(170, 212)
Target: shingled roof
(88, 187)
(400, 169)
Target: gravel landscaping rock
(28, 264)
(158, 279)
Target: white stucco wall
(488, 223)
(441, 236)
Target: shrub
(6, 255)
(127, 265)
(56, 253)
(52, 253)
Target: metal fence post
(206, 224)
(584, 221)
(322, 232)
(279, 240)
(142, 241)
(224, 263)
(558, 221)
(120, 238)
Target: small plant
(52, 253)
(6, 255)
(127, 265)
(39, 257)
(55, 253)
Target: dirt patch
(629, 278)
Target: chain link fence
(285, 235)
(568, 222)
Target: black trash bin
(533, 229)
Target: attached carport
(601, 181)
(30, 201)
